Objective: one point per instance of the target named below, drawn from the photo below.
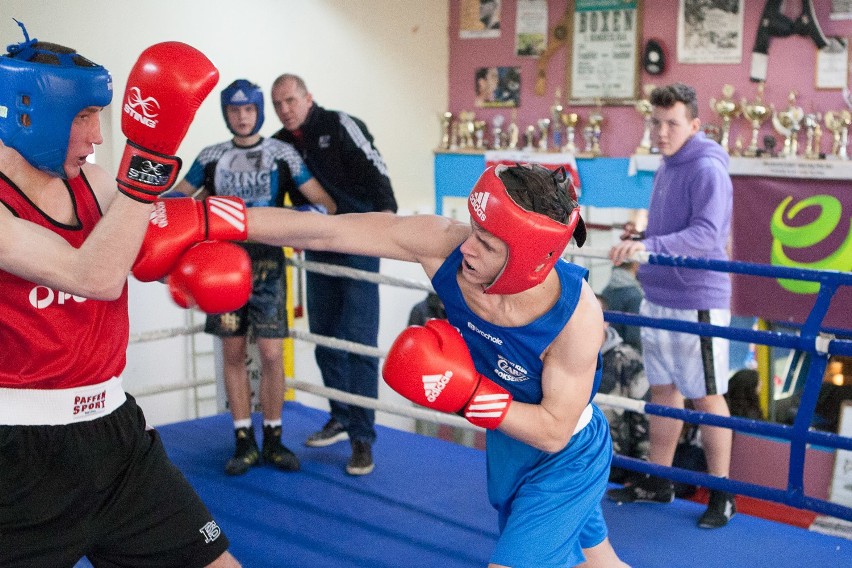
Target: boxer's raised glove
(214, 276)
(431, 365)
(166, 86)
(178, 223)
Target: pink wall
(791, 67)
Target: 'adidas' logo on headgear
(239, 97)
(478, 201)
(434, 384)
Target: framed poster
(832, 64)
(604, 51)
(710, 32)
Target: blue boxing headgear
(243, 92)
(43, 86)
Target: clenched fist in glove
(214, 276)
(166, 86)
(431, 365)
(180, 222)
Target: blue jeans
(346, 309)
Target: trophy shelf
(764, 167)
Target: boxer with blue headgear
(243, 92)
(43, 86)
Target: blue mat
(425, 505)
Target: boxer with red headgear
(82, 474)
(522, 359)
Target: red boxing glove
(180, 222)
(431, 366)
(214, 276)
(166, 86)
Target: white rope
(355, 274)
(417, 412)
(336, 343)
(165, 333)
(603, 254)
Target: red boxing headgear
(535, 241)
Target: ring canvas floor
(425, 506)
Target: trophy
(465, 128)
(788, 123)
(479, 134)
(727, 109)
(555, 117)
(497, 131)
(570, 121)
(595, 120)
(812, 135)
(513, 132)
(838, 123)
(446, 129)
(643, 107)
(544, 130)
(529, 136)
(756, 112)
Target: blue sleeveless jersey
(511, 357)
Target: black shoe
(246, 454)
(647, 489)
(720, 509)
(361, 462)
(330, 434)
(275, 453)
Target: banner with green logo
(800, 223)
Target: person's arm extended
(567, 379)
(97, 270)
(417, 238)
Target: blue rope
(808, 340)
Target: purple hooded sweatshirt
(690, 215)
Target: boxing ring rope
(811, 339)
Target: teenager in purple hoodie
(689, 215)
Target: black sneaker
(330, 434)
(648, 489)
(721, 507)
(361, 462)
(275, 453)
(246, 454)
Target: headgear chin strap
(535, 241)
(243, 92)
(39, 100)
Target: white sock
(272, 423)
(244, 423)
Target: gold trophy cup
(570, 121)
(727, 110)
(644, 107)
(838, 122)
(756, 113)
(788, 123)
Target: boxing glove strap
(144, 174)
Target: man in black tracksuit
(339, 151)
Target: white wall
(384, 61)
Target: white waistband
(585, 418)
(36, 407)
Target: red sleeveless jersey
(50, 339)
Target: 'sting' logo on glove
(141, 110)
(433, 385)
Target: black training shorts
(104, 489)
